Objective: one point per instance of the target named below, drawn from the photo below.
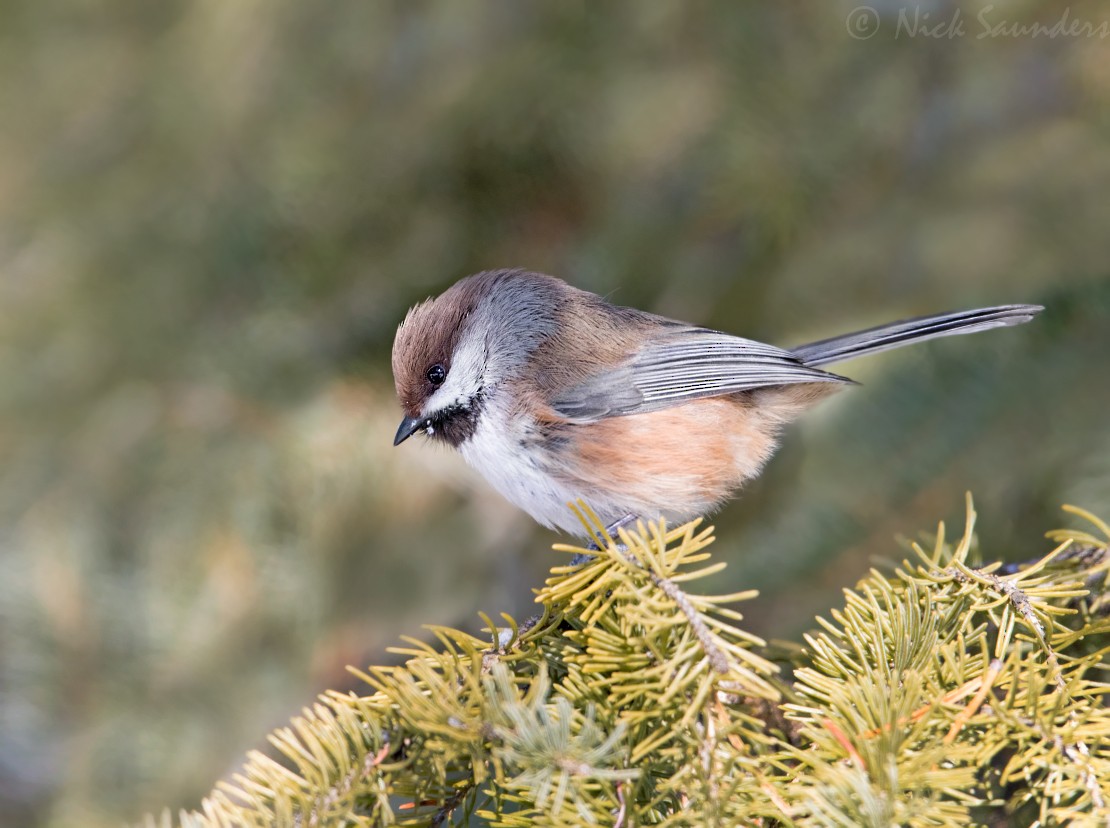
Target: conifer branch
(940, 693)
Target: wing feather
(684, 365)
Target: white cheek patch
(464, 380)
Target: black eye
(437, 374)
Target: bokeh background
(213, 214)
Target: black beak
(409, 426)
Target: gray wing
(681, 366)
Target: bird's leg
(612, 530)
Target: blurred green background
(213, 215)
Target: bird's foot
(613, 531)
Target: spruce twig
(941, 694)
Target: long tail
(908, 331)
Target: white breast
(500, 451)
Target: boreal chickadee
(554, 394)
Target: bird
(555, 395)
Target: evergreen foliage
(214, 214)
(941, 693)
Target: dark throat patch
(457, 424)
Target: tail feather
(897, 334)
